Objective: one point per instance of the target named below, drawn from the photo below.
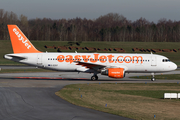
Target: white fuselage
(146, 63)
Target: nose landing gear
(153, 78)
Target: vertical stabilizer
(19, 41)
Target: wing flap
(90, 65)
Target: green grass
(137, 101)
(5, 48)
(160, 77)
(145, 93)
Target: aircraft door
(39, 60)
(153, 61)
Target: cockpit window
(165, 60)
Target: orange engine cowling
(114, 72)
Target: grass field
(5, 48)
(160, 77)
(136, 101)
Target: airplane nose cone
(174, 66)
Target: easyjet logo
(101, 58)
(20, 37)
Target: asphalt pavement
(34, 97)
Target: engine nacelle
(114, 72)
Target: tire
(93, 78)
(96, 77)
(153, 79)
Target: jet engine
(114, 72)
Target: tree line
(109, 27)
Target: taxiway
(34, 98)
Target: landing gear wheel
(153, 79)
(94, 77)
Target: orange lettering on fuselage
(86, 58)
(69, 58)
(60, 58)
(110, 58)
(77, 57)
(127, 60)
(95, 58)
(119, 60)
(137, 59)
(101, 58)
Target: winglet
(19, 41)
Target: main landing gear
(153, 78)
(94, 77)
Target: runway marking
(53, 78)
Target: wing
(97, 67)
(90, 65)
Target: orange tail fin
(19, 41)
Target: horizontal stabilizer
(14, 56)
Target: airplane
(114, 65)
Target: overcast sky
(152, 10)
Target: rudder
(19, 41)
